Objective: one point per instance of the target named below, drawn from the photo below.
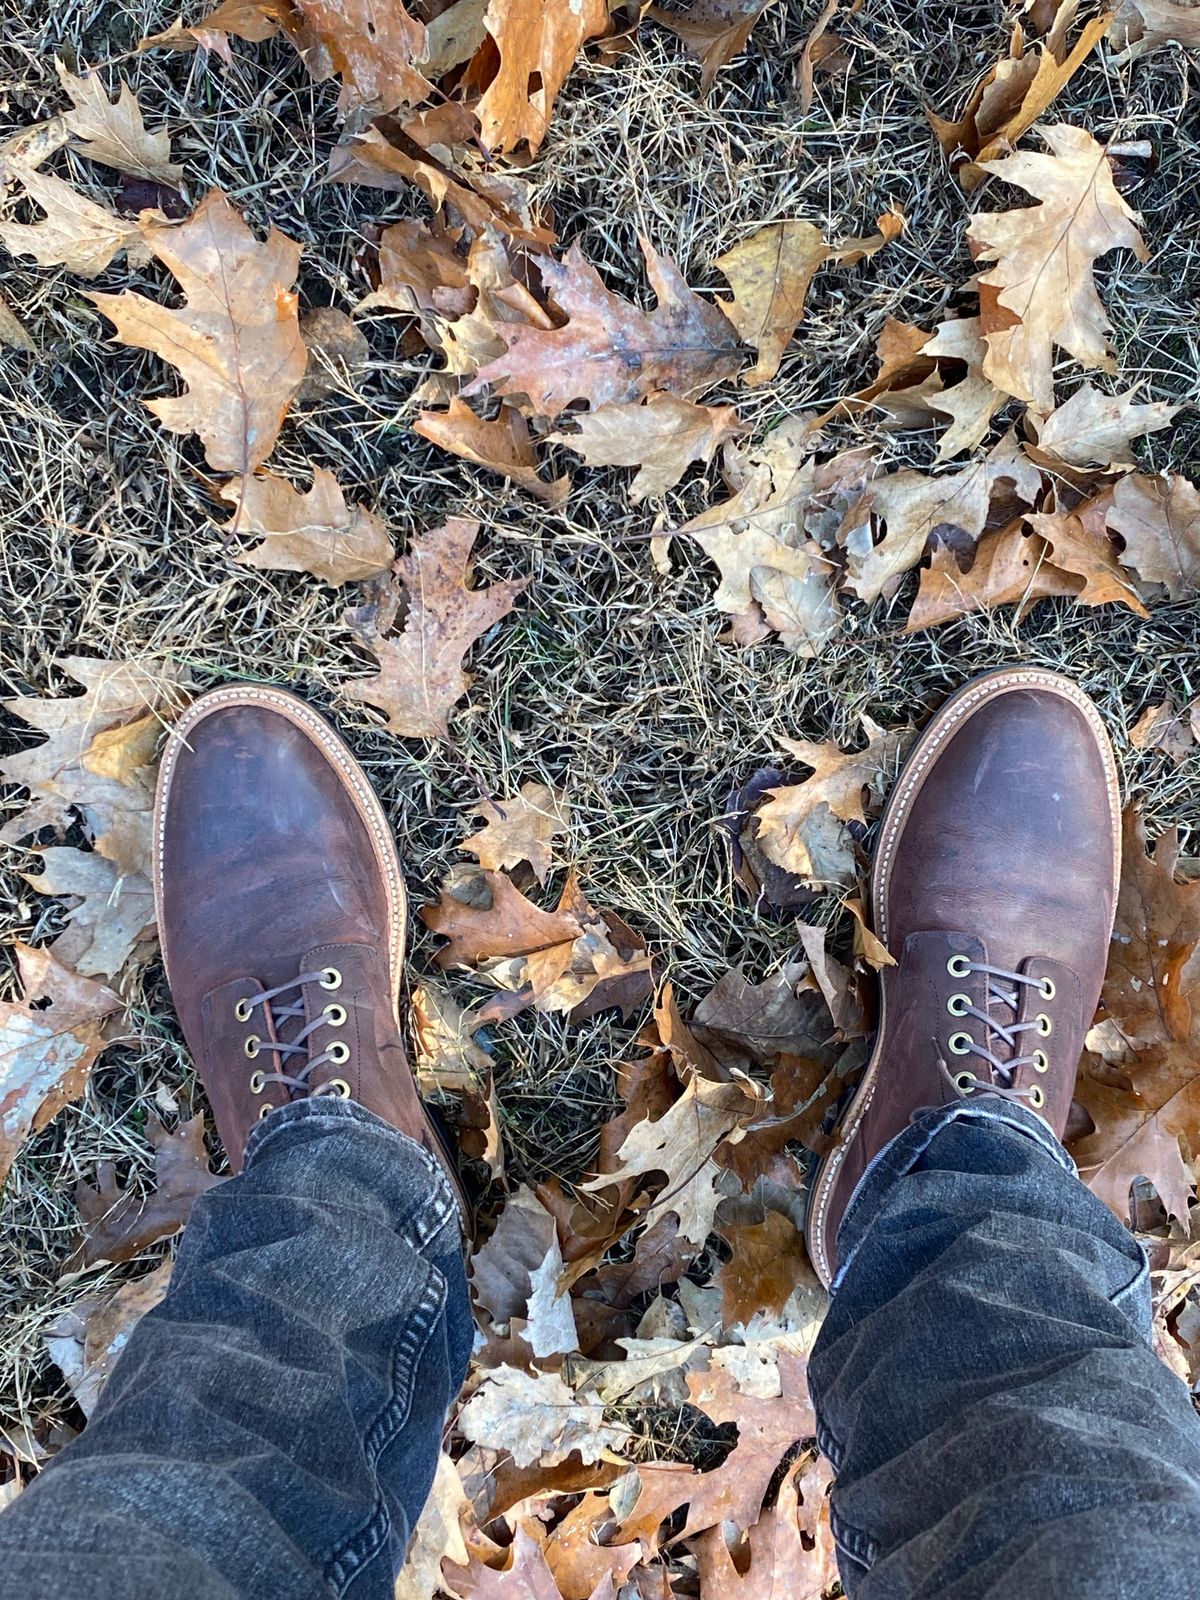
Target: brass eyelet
(1041, 1061)
(964, 1082)
(339, 1053)
(1037, 1098)
(957, 1005)
(332, 979)
(1047, 989)
(265, 1110)
(958, 966)
(257, 1082)
(1044, 1026)
(251, 1045)
(335, 1015)
(340, 1087)
(242, 1011)
(959, 1043)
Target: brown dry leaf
(421, 676)
(85, 1341)
(773, 574)
(49, 1041)
(484, 915)
(447, 1057)
(336, 351)
(583, 1565)
(252, 20)
(527, 1577)
(972, 402)
(1092, 429)
(1086, 552)
(420, 270)
(521, 829)
(371, 45)
(681, 1145)
(1159, 520)
(1147, 989)
(835, 787)
(1010, 567)
(759, 1020)
(118, 1224)
(75, 233)
(1042, 262)
(1011, 96)
(1162, 727)
(503, 445)
(537, 1419)
(115, 135)
(768, 1260)
(13, 334)
(791, 1546)
(834, 981)
(515, 1278)
(711, 31)
(315, 532)
(661, 436)
(115, 909)
(453, 36)
(769, 273)
(437, 1537)
(536, 42)
(1143, 25)
(610, 350)
(28, 149)
(236, 342)
(912, 507)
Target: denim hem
(902, 1153)
(859, 1546)
(354, 1552)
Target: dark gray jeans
(984, 1384)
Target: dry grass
(611, 679)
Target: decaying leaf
(117, 1224)
(536, 43)
(521, 829)
(49, 1041)
(1091, 429)
(516, 1279)
(767, 1259)
(237, 340)
(85, 1341)
(792, 1544)
(1159, 521)
(974, 400)
(314, 532)
(1010, 567)
(1148, 985)
(114, 910)
(13, 333)
(503, 445)
(437, 1537)
(661, 436)
(373, 46)
(336, 351)
(792, 817)
(115, 135)
(1088, 553)
(1162, 727)
(1143, 25)
(1042, 258)
(712, 32)
(538, 1419)
(421, 675)
(75, 233)
(609, 350)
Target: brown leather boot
(994, 886)
(281, 910)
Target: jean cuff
(901, 1154)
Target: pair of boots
(282, 911)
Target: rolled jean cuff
(901, 1154)
(415, 1170)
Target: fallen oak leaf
(484, 915)
(1159, 521)
(437, 1537)
(535, 42)
(711, 31)
(769, 273)
(1143, 25)
(835, 982)
(767, 1260)
(75, 233)
(1092, 429)
(584, 1565)
(1087, 553)
(85, 1341)
(47, 1051)
(1041, 262)
(974, 400)
(1162, 727)
(538, 1420)
(502, 445)
(521, 829)
(253, 20)
(662, 436)
(236, 342)
(1010, 567)
(421, 676)
(118, 1224)
(314, 532)
(336, 352)
(115, 135)
(610, 350)
(373, 46)
(13, 333)
(792, 1537)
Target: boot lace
(298, 1080)
(1003, 989)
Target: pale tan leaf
(610, 350)
(867, 946)
(13, 334)
(535, 40)
(1162, 727)
(536, 1418)
(121, 753)
(115, 135)
(1010, 567)
(115, 910)
(437, 1537)
(1143, 25)
(1159, 520)
(85, 1342)
(447, 1056)
(237, 340)
(453, 36)
(661, 436)
(521, 829)
(421, 675)
(1087, 553)
(28, 149)
(972, 402)
(503, 445)
(1042, 262)
(75, 233)
(1092, 429)
(314, 532)
(46, 1050)
(769, 273)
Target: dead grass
(611, 679)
